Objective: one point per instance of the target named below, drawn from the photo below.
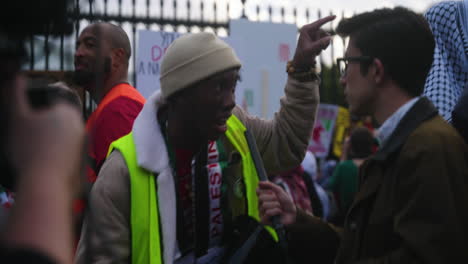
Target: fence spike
(215, 11)
(295, 15)
(202, 9)
(120, 12)
(31, 53)
(105, 7)
(161, 4)
(270, 13)
(243, 9)
(282, 14)
(257, 9)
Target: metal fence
(56, 53)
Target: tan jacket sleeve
(105, 236)
(282, 141)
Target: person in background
(344, 181)
(326, 168)
(102, 57)
(101, 66)
(447, 83)
(294, 183)
(318, 196)
(448, 77)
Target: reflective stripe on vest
(236, 135)
(144, 216)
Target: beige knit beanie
(192, 58)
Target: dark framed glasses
(343, 62)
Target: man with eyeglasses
(413, 193)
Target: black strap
(201, 202)
(185, 242)
(258, 162)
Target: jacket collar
(421, 111)
(150, 145)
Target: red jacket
(112, 119)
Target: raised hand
(312, 40)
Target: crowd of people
(187, 176)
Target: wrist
(300, 62)
(301, 73)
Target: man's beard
(84, 78)
(87, 78)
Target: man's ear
(118, 57)
(378, 70)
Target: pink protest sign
(322, 134)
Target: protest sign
(151, 48)
(322, 133)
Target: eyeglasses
(343, 62)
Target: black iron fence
(56, 53)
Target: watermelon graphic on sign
(321, 138)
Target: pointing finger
(317, 24)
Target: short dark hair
(361, 143)
(43, 94)
(400, 38)
(116, 36)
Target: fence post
(189, 6)
(161, 3)
(62, 53)
(46, 49)
(147, 14)
(257, 9)
(202, 10)
(31, 47)
(174, 5)
(243, 9)
(120, 13)
(295, 15)
(105, 7)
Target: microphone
(275, 220)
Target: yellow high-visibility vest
(144, 213)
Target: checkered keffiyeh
(448, 76)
